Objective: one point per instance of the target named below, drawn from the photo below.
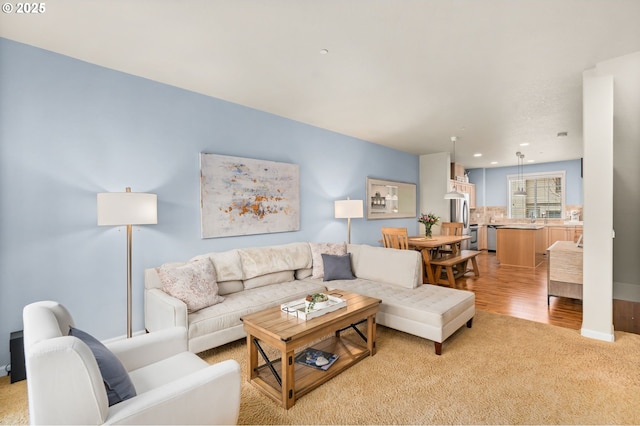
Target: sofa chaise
(251, 279)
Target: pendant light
(453, 194)
(520, 192)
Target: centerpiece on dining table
(428, 220)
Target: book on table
(316, 358)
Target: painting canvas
(244, 196)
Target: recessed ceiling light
(477, 154)
(494, 162)
(563, 134)
(324, 51)
(524, 144)
(531, 161)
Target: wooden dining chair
(449, 228)
(396, 238)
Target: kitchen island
(520, 245)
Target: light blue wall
(69, 130)
(491, 184)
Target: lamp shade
(454, 195)
(346, 209)
(127, 208)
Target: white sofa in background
(252, 279)
(172, 385)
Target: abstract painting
(244, 196)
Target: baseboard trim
(607, 337)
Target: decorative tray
(297, 308)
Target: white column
(597, 307)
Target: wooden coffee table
(286, 381)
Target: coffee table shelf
(288, 335)
(308, 378)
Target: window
(545, 195)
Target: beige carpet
(502, 371)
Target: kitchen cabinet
(482, 237)
(563, 233)
(457, 169)
(520, 245)
(577, 233)
(557, 233)
(465, 188)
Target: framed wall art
(244, 196)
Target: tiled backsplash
(498, 214)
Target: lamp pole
(129, 284)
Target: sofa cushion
(267, 279)
(116, 380)
(303, 273)
(318, 249)
(194, 283)
(373, 263)
(226, 315)
(428, 304)
(337, 267)
(258, 261)
(227, 264)
(228, 287)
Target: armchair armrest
(207, 396)
(146, 349)
(163, 311)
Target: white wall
(69, 129)
(435, 170)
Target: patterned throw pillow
(318, 249)
(194, 283)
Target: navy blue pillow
(337, 267)
(116, 379)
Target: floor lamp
(127, 208)
(348, 209)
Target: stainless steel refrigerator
(460, 213)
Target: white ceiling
(408, 74)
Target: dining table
(429, 247)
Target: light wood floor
(519, 292)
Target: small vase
(427, 233)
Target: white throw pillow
(318, 249)
(194, 283)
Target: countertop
(531, 226)
(540, 224)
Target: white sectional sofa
(252, 279)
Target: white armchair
(173, 385)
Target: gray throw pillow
(337, 267)
(116, 379)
